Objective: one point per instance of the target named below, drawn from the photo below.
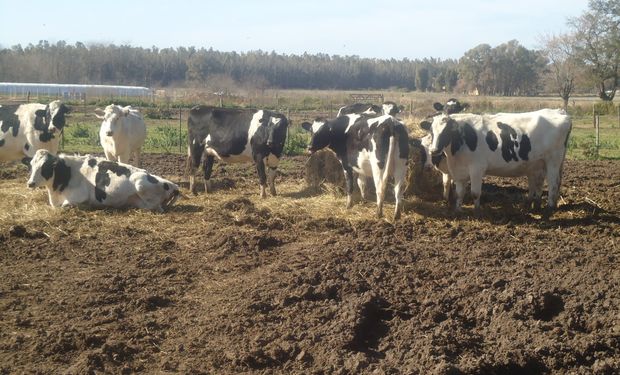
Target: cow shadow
(185, 208)
(306, 192)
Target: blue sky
(387, 29)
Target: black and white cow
(97, 182)
(26, 128)
(236, 135)
(451, 106)
(374, 147)
(439, 161)
(504, 144)
(387, 108)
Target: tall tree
(597, 43)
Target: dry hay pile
(324, 167)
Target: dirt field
(229, 283)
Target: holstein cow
(505, 144)
(97, 182)
(387, 108)
(122, 133)
(236, 135)
(370, 146)
(26, 128)
(439, 161)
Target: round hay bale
(323, 166)
(426, 184)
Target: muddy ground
(229, 283)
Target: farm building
(70, 91)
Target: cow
(451, 106)
(235, 135)
(97, 182)
(505, 144)
(374, 147)
(122, 133)
(439, 161)
(387, 108)
(26, 128)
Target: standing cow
(96, 182)
(505, 144)
(122, 133)
(236, 135)
(374, 147)
(26, 128)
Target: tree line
(585, 59)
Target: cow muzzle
(109, 133)
(31, 184)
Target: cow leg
(271, 180)
(208, 168)
(262, 176)
(109, 155)
(447, 186)
(476, 189)
(348, 176)
(376, 175)
(535, 182)
(361, 182)
(459, 187)
(554, 177)
(400, 171)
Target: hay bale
(324, 167)
(426, 184)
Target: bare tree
(597, 44)
(563, 64)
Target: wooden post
(180, 110)
(596, 134)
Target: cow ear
(99, 113)
(65, 109)
(426, 125)
(307, 126)
(40, 113)
(438, 106)
(126, 110)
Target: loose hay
(324, 167)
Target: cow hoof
(273, 191)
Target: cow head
(390, 108)
(53, 116)
(321, 134)
(276, 132)
(451, 106)
(111, 116)
(42, 168)
(440, 128)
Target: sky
(386, 29)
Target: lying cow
(505, 144)
(26, 128)
(122, 133)
(387, 108)
(370, 146)
(96, 182)
(236, 135)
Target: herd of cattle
(368, 140)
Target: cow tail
(389, 164)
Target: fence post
(180, 111)
(596, 133)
